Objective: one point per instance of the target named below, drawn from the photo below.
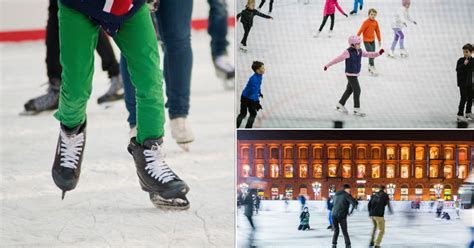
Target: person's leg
(251, 222)
(78, 36)
(395, 39)
(347, 93)
(402, 39)
(370, 47)
(174, 25)
(53, 66)
(470, 95)
(330, 218)
(354, 9)
(335, 235)
(129, 93)
(381, 226)
(217, 27)
(243, 111)
(140, 48)
(325, 18)
(361, 6)
(246, 34)
(253, 114)
(462, 100)
(332, 22)
(261, 4)
(374, 229)
(343, 223)
(106, 53)
(354, 82)
(270, 9)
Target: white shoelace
(156, 165)
(71, 147)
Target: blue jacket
(353, 63)
(252, 89)
(94, 9)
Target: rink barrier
(39, 34)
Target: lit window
(390, 171)
(274, 171)
(419, 171)
(462, 171)
(462, 154)
(405, 171)
(245, 170)
(245, 153)
(420, 153)
(288, 170)
(346, 153)
(259, 153)
(390, 153)
(332, 152)
(317, 153)
(332, 170)
(360, 153)
(317, 171)
(288, 153)
(289, 192)
(274, 192)
(260, 170)
(434, 170)
(361, 171)
(448, 171)
(434, 153)
(405, 153)
(448, 153)
(376, 153)
(346, 171)
(375, 171)
(303, 153)
(303, 170)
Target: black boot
(166, 189)
(352, 12)
(48, 101)
(67, 162)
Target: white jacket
(401, 18)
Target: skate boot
(181, 132)
(341, 108)
(461, 118)
(48, 101)
(358, 112)
(403, 53)
(165, 188)
(67, 162)
(352, 12)
(371, 244)
(225, 71)
(316, 35)
(243, 48)
(115, 91)
(372, 70)
(469, 116)
(391, 54)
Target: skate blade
(31, 112)
(169, 204)
(243, 50)
(63, 195)
(111, 98)
(342, 111)
(184, 146)
(360, 115)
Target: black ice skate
(165, 188)
(115, 91)
(48, 101)
(67, 162)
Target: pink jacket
(330, 7)
(345, 55)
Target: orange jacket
(368, 28)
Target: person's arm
(340, 9)
(239, 15)
(372, 54)
(377, 32)
(460, 65)
(262, 15)
(390, 210)
(353, 202)
(362, 28)
(369, 206)
(407, 16)
(338, 59)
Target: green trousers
(137, 42)
(379, 223)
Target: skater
(399, 23)
(342, 202)
(130, 24)
(439, 209)
(257, 203)
(353, 56)
(49, 101)
(249, 205)
(246, 18)
(465, 69)
(329, 10)
(302, 201)
(457, 208)
(304, 220)
(174, 29)
(270, 7)
(378, 201)
(358, 4)
(251, 95)
(329, 204)
(369, 29)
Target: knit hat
(346, 186)
(406, 2)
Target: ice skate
(225, 71)
(316, 35)
(391, 54)
(372, 70)
(341, 108)
(181, 132)
(403, 53)
(330, 34)
(359, 113)
(470, 116)
(115, 91)
(165, 188)
(461, 118)
(68, 159)
(352, 12)
(243, 48)
(48, 101)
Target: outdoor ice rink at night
(419, 91)
(277, 227)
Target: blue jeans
(217, 27)
(356, 3)
(174, 26)
(330, 218)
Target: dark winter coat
(464, 72)
(252, 89)
(248, 202)
(377, 204)
(354, 62)
(304, 218)
(342, 202)
(246, 16)
(329, 204)
(109, 20)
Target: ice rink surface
(421, 230)
(108, 208)
(415, 92)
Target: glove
(260, 95)
(325, 68)
(258, 106)
(346, 15)
(381, 51)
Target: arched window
(288, 153)
(259, 153)
(332, 152)
(404, 171)
(274, 153)
(434, 152)
(448, 153)
(346, 153)
(434, 171)
(332, 170)
(360, 153)
(420, 153)
(418, 171)
(245, 153)
(303, 170)
(376, 171)
(448, 171)
(405, 153)
(376, 153)
(289, 191)
(346, 171)
(245, 170)
(462, 174)
(390, 153)
(260, 171)
(317, 153)
(303, 153)
(419, 191)
(360, 171)
(317, 171)
(462, 154)
(390, 171)
(274, 171)
(404, 192)
(288, 170)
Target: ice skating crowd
(352, 56)
(75, 29)
(341, 205)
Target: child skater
(464, 69)
(353, 57)
(251, 94)
(397, 26)
(358, 4)
(130, 25)
(369, 29)
(246, 18)
(329, 10)
(304, 220)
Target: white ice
(418, 91)
(278, 228)
(108, 208)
